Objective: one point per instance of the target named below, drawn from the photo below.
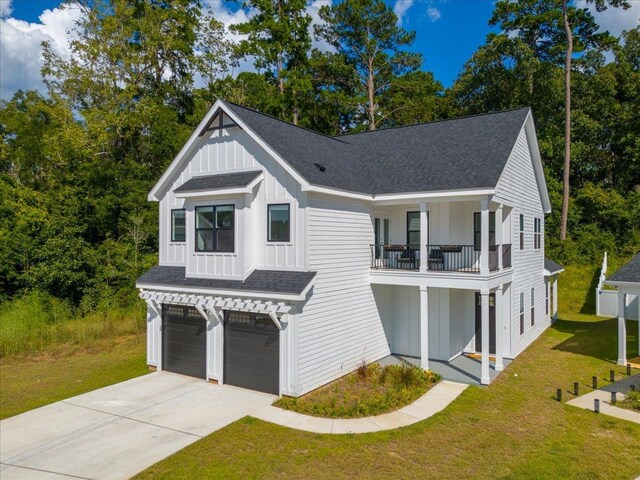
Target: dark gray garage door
(184, 341)
(251, 352)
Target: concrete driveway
(120, 430)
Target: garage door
(251, 352)
(184, 341)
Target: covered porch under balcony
(464, 236)
(462, 334)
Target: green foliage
(632, 401)
(39, 320)
(370, 390)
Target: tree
(279, 41)
(539, 22)
(366, 36)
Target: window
(215, 228)
(178, 229)
(551, 297)
(278, 223)
(477, 230)
(547, 287)
(521, 232)
(537, 233)
(413, 229)
(521, 313)
(533, 302)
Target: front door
(492, 323)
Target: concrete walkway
(586, 402)
(118, 431)
(429, 404)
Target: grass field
(513, 429)
(34, 380)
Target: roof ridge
(441, 120)
(336, 138)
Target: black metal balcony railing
(506, 255)
(454, 258)
(445, 258)
(395, 257)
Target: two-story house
(287, 257)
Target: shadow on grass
(589, 304)
(591, 339)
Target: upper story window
(178, 226)
(215, 227)
(477, 230)
(413, 229)
(279, 222)
(537, 233)
(521, 232)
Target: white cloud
(5, 8)
(401, 8)
(433, 13)
(615, 20)
(21, 47)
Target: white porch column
(499, 236)
(484, 237)
(485, 379)
(424, 327)
(499, 329)
(622, 330)
(424, 237)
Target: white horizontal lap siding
(229, 151)
(518, 186)
(340, 325)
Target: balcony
(442, 258)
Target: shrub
(370, 390)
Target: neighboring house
(288, 258)
(627, 281)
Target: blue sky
(448, 32)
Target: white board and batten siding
(340, 326)
(228, 151)
(518, 188)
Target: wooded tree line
(76, 164)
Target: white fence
(607, 300)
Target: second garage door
(251, 352)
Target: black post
(632, 388)
(576, 388)
(612, 376)
(613, 398)
(596, 406)
(628, 369)
(594, 382)
(559, 394)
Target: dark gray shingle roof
(216, 182)
(463, 153)
(629, 272)
(266, 281)
(552, 266)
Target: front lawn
(370, 390)
(631, 402)
(514, 429)
(62, 371)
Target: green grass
(37, 321)
(370, 390)
(511, 430)
(64, 371)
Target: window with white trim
(178, 226)
(521, 313)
